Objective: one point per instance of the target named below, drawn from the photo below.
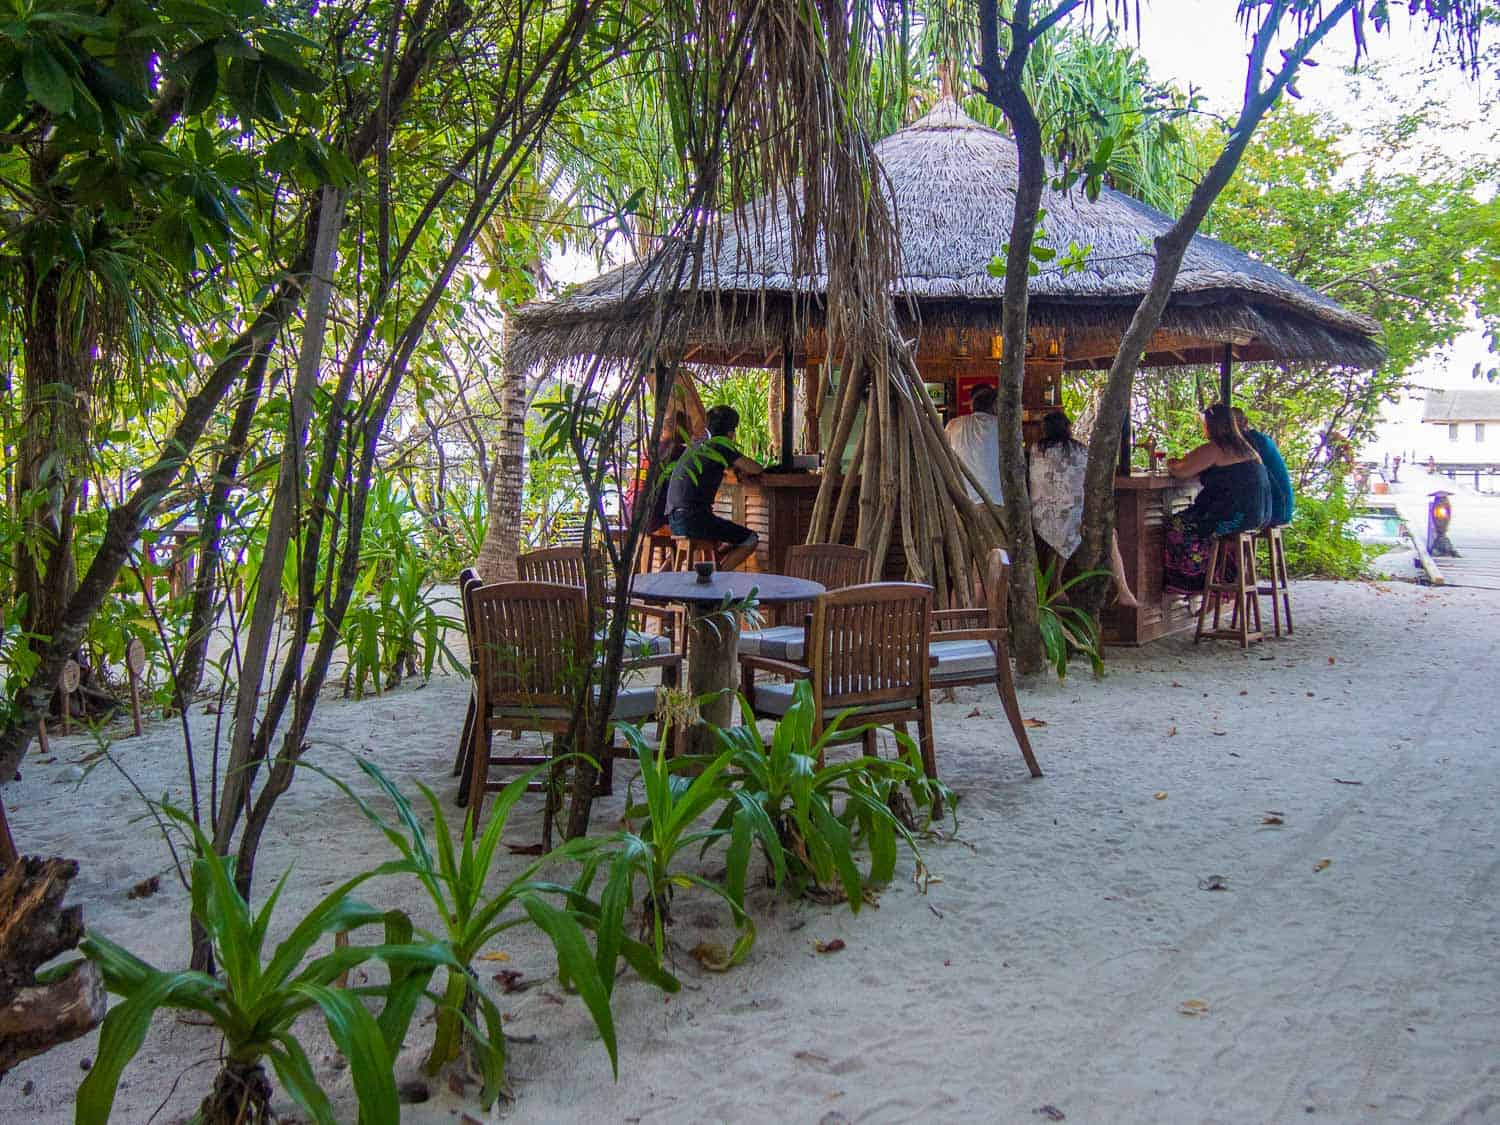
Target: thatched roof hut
(952, 184)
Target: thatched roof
(953, 187)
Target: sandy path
(1048, 967)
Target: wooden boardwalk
(1478, 567)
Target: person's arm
(746, 467)
(1194, 463)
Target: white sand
(1048, 967)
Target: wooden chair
(658, 552)
(832, 565)
(972, 646)
(567, 566)
(1277, 585)
(532, 642)
(867, 654)
(1231, 578)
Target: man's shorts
(689, 524)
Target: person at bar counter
(975, 440)
(1283, 503)
(1236, 496)
(661, 462)
(695, 483)
(1055, 472)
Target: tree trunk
(502, 535)
(1005, 89)
(205, 604)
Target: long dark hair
(1057, 432)
(1218, 421)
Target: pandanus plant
(258, 997)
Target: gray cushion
(639, 644)
(630, 703)
(961, 658)
(780, 642)
(776, 699)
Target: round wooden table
(716, 634)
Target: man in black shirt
(695, 482)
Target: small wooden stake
(67, 684)
(135, 660)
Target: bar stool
(1241, 588)
(658, 552)
(1277, 586)
(690, 551)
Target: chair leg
(1278, 569)
(1005, 684)
(479, 767)
(871, 743)
(464, 740)
(1208, 592)
(929, 751)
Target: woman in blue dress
(1235, 496)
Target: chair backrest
(531, 641)
(831, 564)
(997, 588)
(868, 645)
(468, 578)
(565, 566)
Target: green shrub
(1318, 541)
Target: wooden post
(67, 684)
(135, 660)
(8, 853)
(788, 403)
(1226, 374)
(1123, 469)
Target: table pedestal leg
(713, 657)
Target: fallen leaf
(1341, 781)
(1214, 883)
(457, 1083)
(1172, 733)
(1219, 733)
(145, 888)
(809, 1056)
(974, 714)
(1162, 796)
(1322, 864)
(1050, 1112)
(1272, 818)
(830, 946)
(509, 980)
(1244, 693)
(495, 956)
(554, 998)
(1176, 684)
(524, 849)
(1193, 1007)
(1330, 660)
(712, 956)
(1033, 722)
(1310, 695)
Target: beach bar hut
(952, 187)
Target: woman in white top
(1058, 465)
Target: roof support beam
(1226, 374)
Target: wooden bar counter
(1142, 504)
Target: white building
(1463, 426)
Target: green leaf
(359, 1040)
(46, 79)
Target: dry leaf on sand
(1322, 864)
(830, 946)
(1033, 722)
(1193, 1007)
(712, 956)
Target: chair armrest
(995, 636)
(945, 619)
(672, 613)
(667, 660)
(775, 667)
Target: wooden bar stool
(690, 551)
(1234, 552)
(1277, 585)
(658, 552)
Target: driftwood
(34, 928)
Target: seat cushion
(961, 658)
(630, 703)
(639, 644)
(780, 642)
(776, 699)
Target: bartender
(695, 484)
